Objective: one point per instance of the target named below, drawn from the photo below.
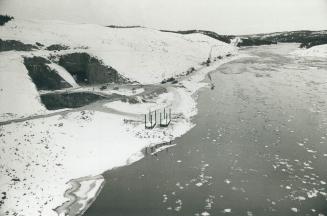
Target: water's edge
(67, 208)
(71, 207)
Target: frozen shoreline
(194, 84)
(80, 200)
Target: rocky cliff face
(42, 75)
(89, 70)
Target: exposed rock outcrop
(8, 45)
(57, 47)
(42, 75)
(88, 70)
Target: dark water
(259, 147)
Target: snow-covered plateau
(42, 150)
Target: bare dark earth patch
(88, 70)
(42, 75)
(54, 101)
(57, 47)
(8, 45)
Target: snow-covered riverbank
(40, 156)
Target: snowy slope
(18, 94)
(316, 51)
(141, 54)
(64, 74)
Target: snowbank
(316, 51)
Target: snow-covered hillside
(316, 51)
(141, 54)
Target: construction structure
(166, 119)
(150, 119)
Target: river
(259, 147)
